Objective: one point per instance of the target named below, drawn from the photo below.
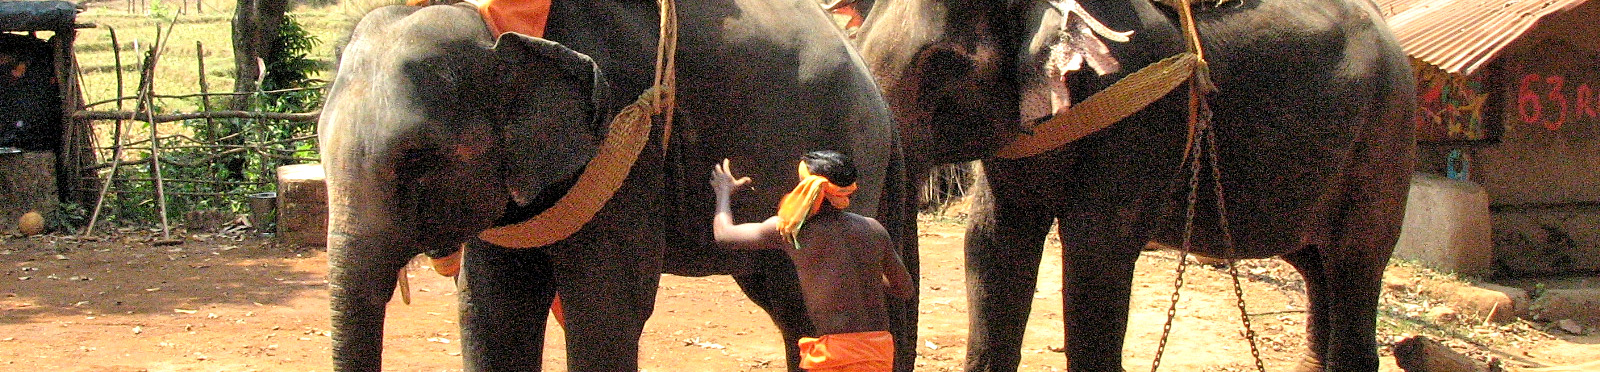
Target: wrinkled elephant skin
(435, 131)
(1314, 147)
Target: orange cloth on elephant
(527, 17)
(806, 199)
(855, 16)
(848, 352)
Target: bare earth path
(121, 304)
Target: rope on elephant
(1106, 107)
(1129, 95)
(604, 174)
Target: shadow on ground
(126, 274)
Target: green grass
(177, 72)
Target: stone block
(1447, 226)
(302, 205)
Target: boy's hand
(722, 179)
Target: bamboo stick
(116, 137)
(148, 103)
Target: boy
(845, 261)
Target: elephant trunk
(361, 280)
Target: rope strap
(1125, 97)
(1106, 107)
(604, 174)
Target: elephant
(1311, 138)
(435, 131)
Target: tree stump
(302, 205)
(27, 183)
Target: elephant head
(432, 134)
(946, 69)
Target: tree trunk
(255, 34)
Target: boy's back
(841, 272)
(845, 262)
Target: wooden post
(147, 107)
(116, 138)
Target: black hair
(833, 165)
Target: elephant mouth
(539, 203)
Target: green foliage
(221, 160)
(288, 65)
(161, 11)
(67, 217)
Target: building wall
(1543, 174)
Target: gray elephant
(1312, 137)
(434, 130)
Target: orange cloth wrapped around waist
(848, 352)
(806, 199)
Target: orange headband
(806, 200)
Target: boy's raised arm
(762, 235)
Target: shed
(1509, 96)
(41, 149)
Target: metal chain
(1188, 234)
(1249, 333)
(1227, 236)
(1205, 136)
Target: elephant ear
(554, 116)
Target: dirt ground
(229, 302)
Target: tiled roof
(1459, 36)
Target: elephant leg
(903, 312)
(1343, 282)
(776, 288)
(1098, 258)
(361, 280)
(504, 294)
(1003, 248)
(608, 291)
(1344, 276)
(1343, 298)
(901, 221)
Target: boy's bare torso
(846, 262)
(841, 274)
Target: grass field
(177, 73)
